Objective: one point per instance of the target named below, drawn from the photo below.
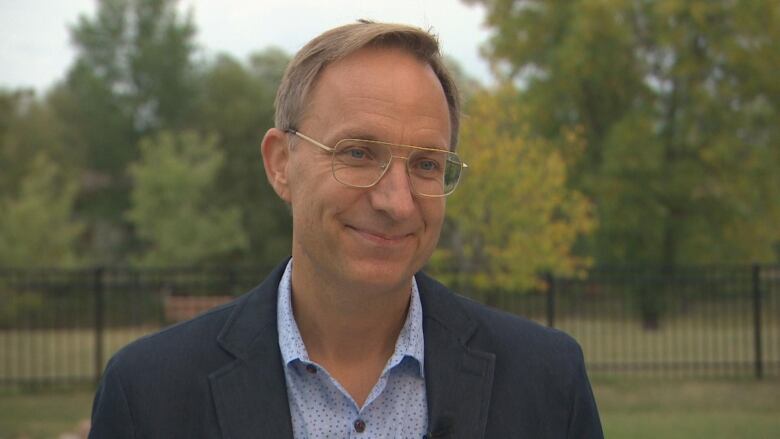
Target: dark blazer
(488, 374)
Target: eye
(356, 153)
(427, 165)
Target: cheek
(434, 217)
(305, 184)
(319, 202)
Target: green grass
(630, 409)
(43, 415)
(634, 406)
(671, 409)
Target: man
(348, 338)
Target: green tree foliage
(678, 104)
(173, 205)
(138, 51)
(133, 75)
(37, 185)
(513, 217)
(236, 104)
(36, 225)
(29, 128)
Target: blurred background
(623, 185)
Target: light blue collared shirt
(321, 408)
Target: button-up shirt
(320, 407)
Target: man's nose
(393, 192)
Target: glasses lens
(359, 163)
(434, 173)
(452, 172)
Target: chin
(380, 274)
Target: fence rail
(60, 326)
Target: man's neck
(333, 317)
(346, 329)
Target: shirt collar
(290, 341)
(410, 343)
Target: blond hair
(302, 72)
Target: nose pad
(393, 193)
(389, 174)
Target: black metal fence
(691, 322)
(60, 326)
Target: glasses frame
(332, 151)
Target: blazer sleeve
(584, 421)
(111, 415)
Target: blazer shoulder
(493, 330)
(206, 341)
(505, 327)
(188, 342)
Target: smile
(380, 238)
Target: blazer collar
(458, 378)
(250, 394)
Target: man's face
(380, 236)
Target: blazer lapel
(250, 394)
(458, 379)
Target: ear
(276, 156)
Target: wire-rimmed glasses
(433, 172)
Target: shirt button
(360, 426)
(311, 369)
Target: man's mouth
(380, 238)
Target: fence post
(98, 288)
(550, 300)
(759, 360)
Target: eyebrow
(362, 135)
(358, 135)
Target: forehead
(388, 93)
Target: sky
(35, 49)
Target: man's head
(383, 84)
(300, 77)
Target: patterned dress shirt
(321, 408)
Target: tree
(173, 207)
(236, 104)
(133, 76)
(140, 52)
(38, 184)
(37, 228)
(512, 217)
(29, 128)
(678, 112)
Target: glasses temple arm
(309, 139)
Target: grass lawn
(630, 408)
(43, 415)
(671, 409)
